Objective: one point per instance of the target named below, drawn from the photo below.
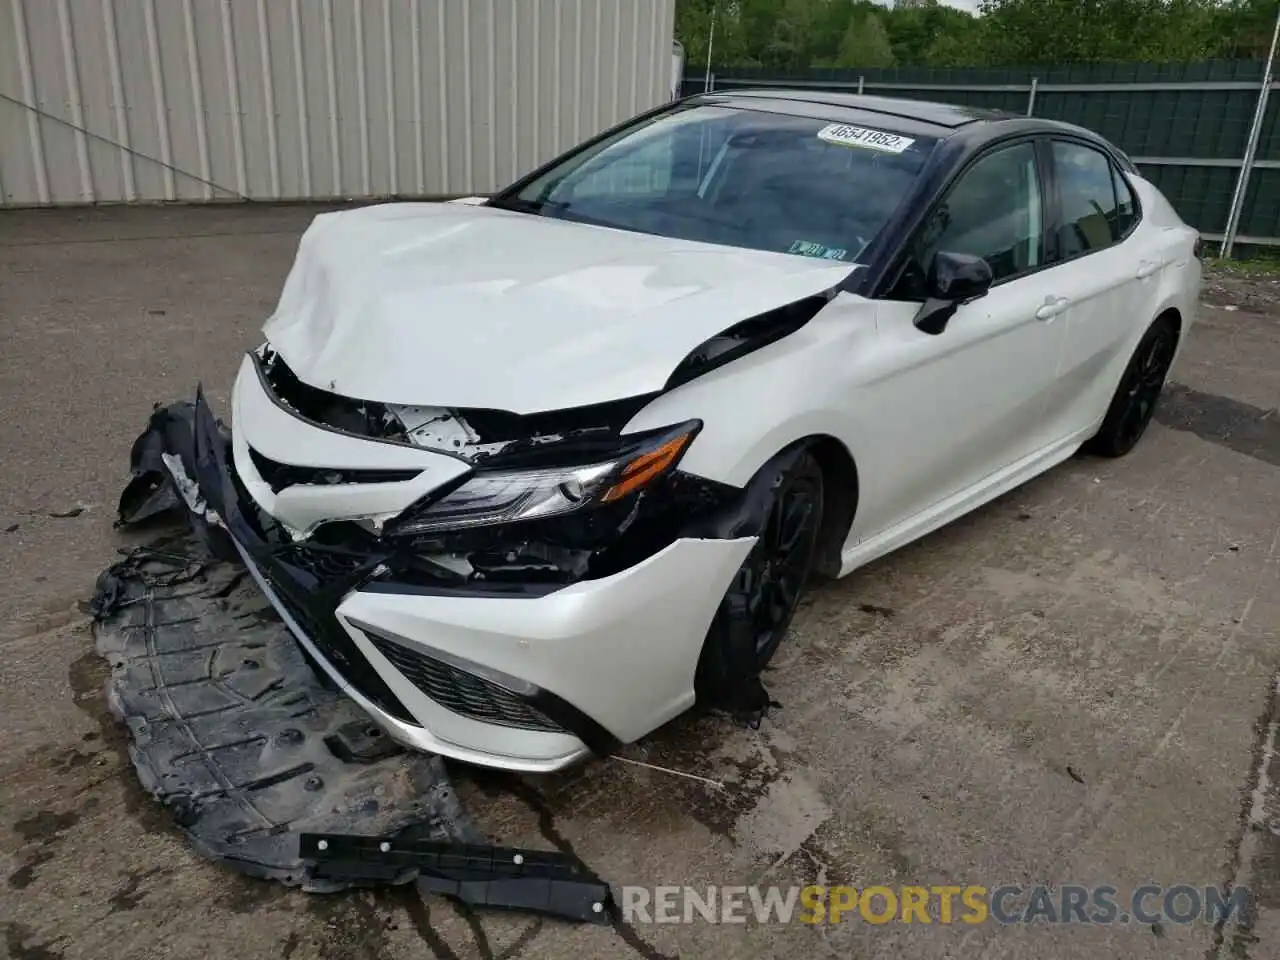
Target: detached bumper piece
(553, 884)
(253, 751)
(233, 732)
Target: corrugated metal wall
(278, 99)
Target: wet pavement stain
(129, 896)
(26, 874)
(45, 829)
(538, 804)
(45, 825)
(419, 914)
(70, 760)
(1241, 427)
(245, 896)
(874, 610)
(17, 940)
(87, 677)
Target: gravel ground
(1255, 288)
(1073, 684)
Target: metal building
(201, 100)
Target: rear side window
(1093, 216)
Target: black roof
(947, 115)
(943, 121)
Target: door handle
(1148, 268)
(1052, 307)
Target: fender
(759, 404)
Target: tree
(914, 31)
(1242, 28)
(797, 34)
(1074, 31)
(865, 44)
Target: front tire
(756, 611)
(1140, 387)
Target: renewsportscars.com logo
(941, 904)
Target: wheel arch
(840, 491)
(1173, 314)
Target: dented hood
(466, 306)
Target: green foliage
(865, 44)
(797, 34)
(1080, 31)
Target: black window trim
(1048, 205)
(1117, 170)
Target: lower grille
(335, 645)
(463, 692)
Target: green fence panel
(1183, 124)
(1201, 195)
(1269, 142)
(1260, 216)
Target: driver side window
(994, 211)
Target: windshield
(743, 178)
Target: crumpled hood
(445, 304)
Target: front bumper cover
(536, 679)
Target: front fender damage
(732, 681)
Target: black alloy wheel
(1135, 399)
(757, 608)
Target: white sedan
(530, 475)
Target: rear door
(946, 411)
(1108, 271)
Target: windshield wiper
(535, 207)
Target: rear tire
(756, 611)
(1139, 390)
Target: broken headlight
(492, 497)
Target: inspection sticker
(849, 136)
(807, 248)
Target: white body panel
(623, 648)
(464, 306)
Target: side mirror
(954, 278)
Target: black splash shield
(234, 732)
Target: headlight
(494, 497)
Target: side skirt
(957, 505)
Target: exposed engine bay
(550, 551)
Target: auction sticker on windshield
(848, 136)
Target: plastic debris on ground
(234, 732)
(265, 765)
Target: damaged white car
(528, 476)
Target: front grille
(278, 475)
(463, 692)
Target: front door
(950, 409)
